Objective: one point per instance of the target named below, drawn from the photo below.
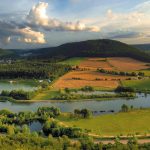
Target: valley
(95, 96)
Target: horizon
(73, 42)
(30, 25)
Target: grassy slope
(115, 124)
(138, 84)
(147, 72)
(45, 95)
(73, 61)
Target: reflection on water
(93, 92)
(9, 86)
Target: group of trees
(124, 89)
(31, 70)
(87, 89)
(32, 141)
(18, 94)
(57, 130)
(126, 108)
(42, 114)
(121, 73)
(72, 96)
(84, 113)
(48, 112)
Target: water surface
(141, 101)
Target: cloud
(8, 30)
(29, 29)
(37, 17)
(30, 36)
(123, 34)
(126, 25)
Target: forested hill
(143, 46)
(92, 48)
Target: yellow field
(87, 78)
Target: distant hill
(92, 48)
(4, 52)
(143, 46)
(11, 53)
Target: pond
(142, 100)
(10, 85)
(93, 92)
(35, 126)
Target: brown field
(87, 73)
(94, 63)
(126, 64)
(87, 78)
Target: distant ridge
(92, 48)
(142, 46)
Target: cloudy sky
(33, 23)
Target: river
(141, 100)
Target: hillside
(92, 48)
(143, 46)
(4, 52)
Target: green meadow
(137, 84)
(73, 61)
(134, 122)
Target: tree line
(31, 70)
(122, 73)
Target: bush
(48, 111)
(87, 89)
(18, 94)
(124, 89)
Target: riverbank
(70, 100)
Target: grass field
(138, 84)
(135, 122)
(45, 95)
(73, 61)
(146, 72)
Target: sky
(26, 24)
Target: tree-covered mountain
(90, 48)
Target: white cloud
(37, 14)
(37, 17)
(30, 36)
(136, 21)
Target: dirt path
(140, 141)
(123, 139)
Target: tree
(25, 129)
(124, 108)
(85, 113)
(77, 112)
